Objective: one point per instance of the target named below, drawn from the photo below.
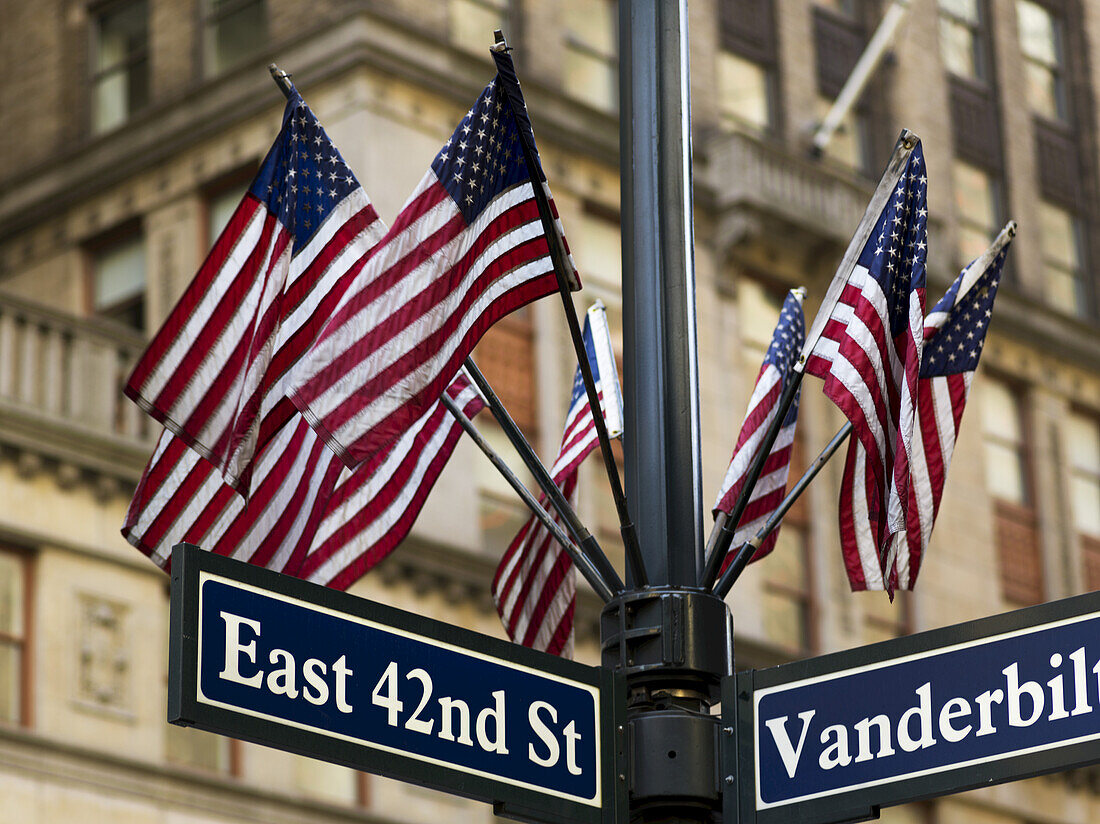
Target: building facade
(128, 132)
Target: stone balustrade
(763, 184)
(61, 395)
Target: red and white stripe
(415, 311)
(872, 378)
(215, 374)
(941, 399)
(535, 586)
(308, 516)
(772, 484)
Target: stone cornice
(209, 108)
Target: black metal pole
(580, 560)
(672, 641)
(661, 438)
(728, 525)
(587, 542)
(748, 549)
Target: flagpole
(606, 580)
(580, 560)
(748, 549)
(724, 539)
(585, 540)
(906, 142)
(566, 280)
(282, 80)
(861, 74)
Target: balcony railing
(764, 182)
(61, 383)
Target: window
(976, 209)
(118, 280)
(1063, 268)
(849, 142)
(1041, 41)
(120, 61)
(744, 93)
(14, 631)
(474, 21)
(591, 69)
(747, 65)
(961, 42)
(1084, 472)
(1015, 523)
(235, 30)
(501, 512)
(1003, 434)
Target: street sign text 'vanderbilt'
(965, 706)
(262, 656)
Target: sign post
(272, 659)
(835, 738)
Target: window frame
(1092, 418)
(1023, 515)
(1078, 275)
(26, 559)
(574, 44)
(97, 12)
(1064, 108)
(979, 33)
(210, 18)
(93, 249)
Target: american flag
(535, 588)
(775, 373)
(309, 516)
(467, 249)
(954, 334)
(215, 374)
(870, 353)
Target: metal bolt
(727, 730)
(729, 779)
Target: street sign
(836, 737)
(272, 659)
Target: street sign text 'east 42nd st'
(832, 738)
(275, 660)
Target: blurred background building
(128, 132)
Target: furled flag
(775, 373)
(534, 588)
(467, 249)
(870, 351)
(954, 333)
(215, 373)
(309, 516)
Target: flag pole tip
(281, 78)
(1011, 228)
(499, 43)
(909, 139)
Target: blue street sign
(966, 706)
(304, 668)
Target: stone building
(128, 132)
